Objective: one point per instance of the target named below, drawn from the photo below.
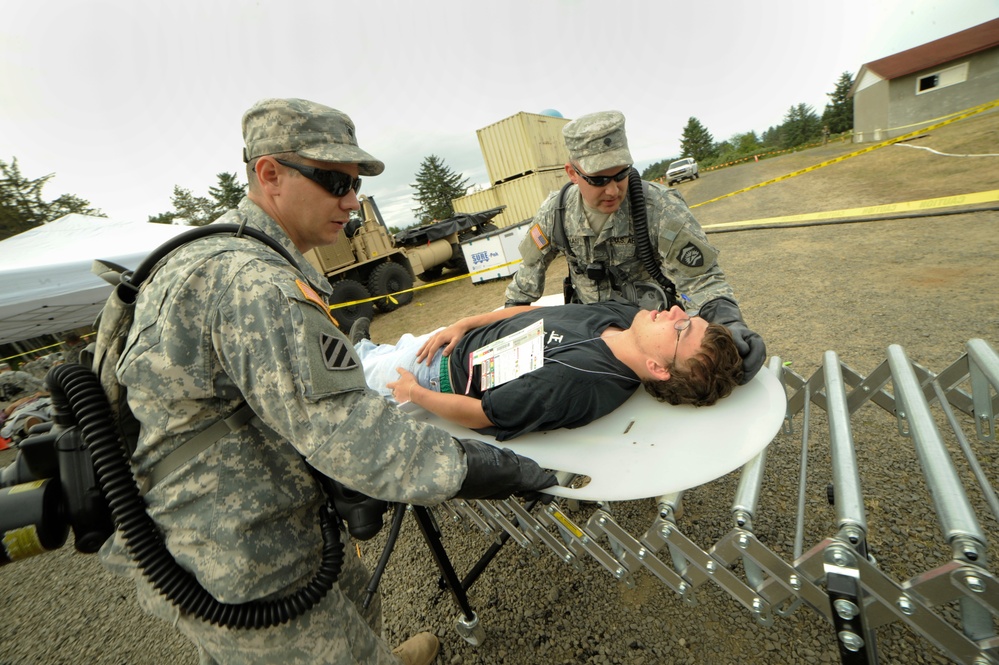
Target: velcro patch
(691, 256)
(539, 236)
(336, 353)
(313, 297)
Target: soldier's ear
(268, 174)
(571, 172)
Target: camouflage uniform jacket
(685, 256)
(227, 319)
(16, 384)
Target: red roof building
(895, 95)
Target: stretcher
(941, 419)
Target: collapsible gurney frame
(836, 577)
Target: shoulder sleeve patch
(336, 355)
(313, 297)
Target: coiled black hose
(643, 244)
(79, 398)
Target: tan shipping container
(477, 202)
(521, 144)
(522, 197)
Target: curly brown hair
(705, 378)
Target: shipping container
(521, 144)
(482, 200)
(522, 196)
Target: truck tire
(431, 274)
(388, 278)
(457, 263)
(347, 290)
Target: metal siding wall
(523, 196)
(521, 144)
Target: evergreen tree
(838, 114)
(227, 194)
(696, 141)
(801, 125)
(193, 210)
(21, 204)
(436, 186)
(200, 210)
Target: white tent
(46, 286)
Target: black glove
(514, 303)
(495, 473)
(750, 345)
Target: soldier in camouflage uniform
(15, 386)
(228, 319)
(600, 233)
(74, 347)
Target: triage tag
(511, 356)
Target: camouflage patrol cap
(597, 141)
(311, 130)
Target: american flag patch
(313, 297)
(538, 236)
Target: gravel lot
(927, 284)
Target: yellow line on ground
(888, 208)
(968, 113)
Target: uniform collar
(255, 216)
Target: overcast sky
(122, 99)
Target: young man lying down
(594, 357)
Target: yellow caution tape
(969, 112)
(439, 282)
(889, 208)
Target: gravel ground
(926, 284)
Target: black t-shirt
(580, 380)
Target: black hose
(643, 244)
(142, 272)
(400, 512)
(76, 391)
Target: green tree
(696, 141)
(436, 185)
(838, 114)
(200, 210)
(22, 206)
(228, 193)
(801, 125)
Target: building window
(942, 78)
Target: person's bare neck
(622, 344)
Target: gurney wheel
(470, 630)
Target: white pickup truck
(681, 169)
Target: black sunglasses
(603, 180)
(334, 182)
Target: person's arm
(450, 336)
(459, 409)
(537, 253)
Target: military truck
(367, 261)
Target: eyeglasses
(603, 180)
(679, 327)
(334, 182)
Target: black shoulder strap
(139, 275)
(558, 231)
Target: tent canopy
(46, 286)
